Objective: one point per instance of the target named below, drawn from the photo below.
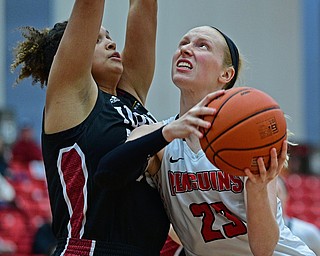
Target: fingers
(195, 116)
(211, 96)
(273, 169)
(276, 164)
(250, 175)
(264, 174)
(200, 111)
(283, 156)
(201, 108)
(186, 125)
(192, 120)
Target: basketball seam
(252, 148)
(240, 121)
(225, 102)
(248, 113)
(216, 154)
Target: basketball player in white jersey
(212, 212)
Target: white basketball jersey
(207, 209)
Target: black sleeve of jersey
(128, 161)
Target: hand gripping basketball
(248, 123)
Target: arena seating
(304, 197)
(30, 209)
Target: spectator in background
(44, 241)
(26, 149)
(306, 231)
(7, 247)
(7, 196)
(7, 192)
(3, 159)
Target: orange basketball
(247, 125)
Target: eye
(99, 40)
(183, 42)
(204, 46)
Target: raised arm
(71, 91)
(261, 200)
(139, 52)
(145, 145)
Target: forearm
(143, 13)
(263, 230)
(140, 45)
(128, 161)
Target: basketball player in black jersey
(94, 99)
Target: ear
(227, 75)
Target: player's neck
(188, 99)
(193, 143)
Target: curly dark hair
(35, 54)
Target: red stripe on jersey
(73, 176)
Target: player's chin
(181, 80)
(118, 67)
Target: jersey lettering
(182, 182)
(133, 119)
(234, 227)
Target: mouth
(184, 64)
(115, 55)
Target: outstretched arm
(71, 91)
(261, 200)
(138, 55)
(128, 161)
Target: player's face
(107, 65)
(198, 60)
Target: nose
(111, 45)
(186, 49)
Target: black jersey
(88, 220)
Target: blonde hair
(227, 62)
